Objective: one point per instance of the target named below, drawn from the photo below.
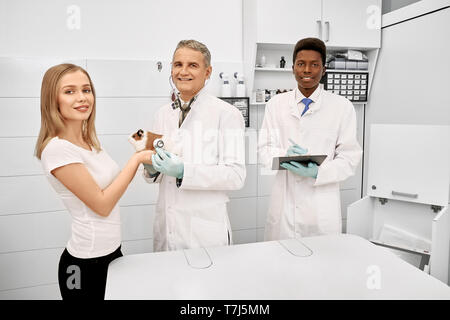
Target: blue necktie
(306, 102)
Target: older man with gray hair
(209, 136)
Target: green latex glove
(152, 171)
(296, 150)
(168, 163)
(310, 171)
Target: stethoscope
(176, 103)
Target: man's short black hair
(311, 44)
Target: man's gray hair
(197, 46)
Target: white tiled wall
(34, 225)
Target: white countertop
(325, 267)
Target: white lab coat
(303, 206)
(212, 146)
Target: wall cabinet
(339, 23)
(287, 21)
(360, 26)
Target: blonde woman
(88, 181)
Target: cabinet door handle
(327, 31)
(403, 194)
(319, 29)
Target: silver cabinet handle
(319, 29)
(403, 194)
(327, 33)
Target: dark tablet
(304, 160)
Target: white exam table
(324, 267)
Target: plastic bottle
(226, 88)
(263, 61)
(240, 87)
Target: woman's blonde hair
(52, 121)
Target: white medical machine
(406, 207)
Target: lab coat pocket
(209, 227)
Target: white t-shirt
(92, 235)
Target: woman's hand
(145, 156)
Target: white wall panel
(114, 29)
(244, 236)
(18, 158)
(52, 229)
(118, 148)
(265, 181)
(137, 222)
(137, 246)
(129, 78)
(251, 146)
(27, 194)
(126, 115)
(254, 116)
(263, 208)
(44, 292)
(22, 77)
(34, 231)
(242, 213)
(20, 117)
(260, 234)
(29, 268)
(140, 192)
(249, 189)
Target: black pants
(84, 278)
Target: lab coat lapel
(195, 108)
(295, 111)
(174, 116)
(317, 98)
